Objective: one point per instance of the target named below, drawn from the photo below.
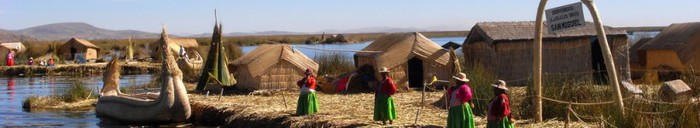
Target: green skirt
(460, 117)
(307, 104)
(504, 123)
(384, 108)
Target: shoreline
(76, 69)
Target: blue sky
(195, 17)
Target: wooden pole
(422, 103)
(284, 99)
(607, 54)
(537, 66)
(568, 118)
(221, 93)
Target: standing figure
(30, 62)
(10, 58)
(51, 62)
(384, 109)
(307, 103)
(183, 53)
(499, 115)
(460, 114)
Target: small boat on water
(191, 67)
(171, 105)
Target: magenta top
(460, 95)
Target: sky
(196, 16)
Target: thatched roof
(259, 60)
(14, 45)
(636, 47)
(452, 45)
(78, 41)
(525, 30)
(397, 48)
(184, 42)
(684, 38)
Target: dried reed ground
(350, 110)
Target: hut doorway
(366, 78)
(415, 72)
(72, 52)
(600, 74)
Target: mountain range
(67, 30)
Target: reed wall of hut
(396, 52)
(68, 50)
(276, 66)
(5, 48)
(674, 49)
(569, 57)
(189, 44)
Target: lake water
(356, 46)
(13, 90)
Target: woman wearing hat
(307, 103)
(384, 109)
(460, 114)
(499, 115)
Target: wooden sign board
(565, 17)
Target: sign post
(562, 18)
(565, 17)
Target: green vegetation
(333, 63)
(77, 92)
(76, 97)
(480, 80)
(638, 112)
(582, 88)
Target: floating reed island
(277, 109)
(77, 69)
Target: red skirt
(10, 62)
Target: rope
(606, 122)
(650, 113)
(521, 79)
(589, 117)
(579, 116)
(336, 50)
(661, 102)
(576, 103)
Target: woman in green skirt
(499, 109)
(460, 114)
(384, 109)
(307, 103)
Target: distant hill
(64, 31)
(9, 36)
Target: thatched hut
(411, 57)
(272, 66)
(635, 63)
(189, 44)
(14, 46)
(676, 48)
(505, 48)
(75, 47)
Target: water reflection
(11, 88)
(19, 88)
